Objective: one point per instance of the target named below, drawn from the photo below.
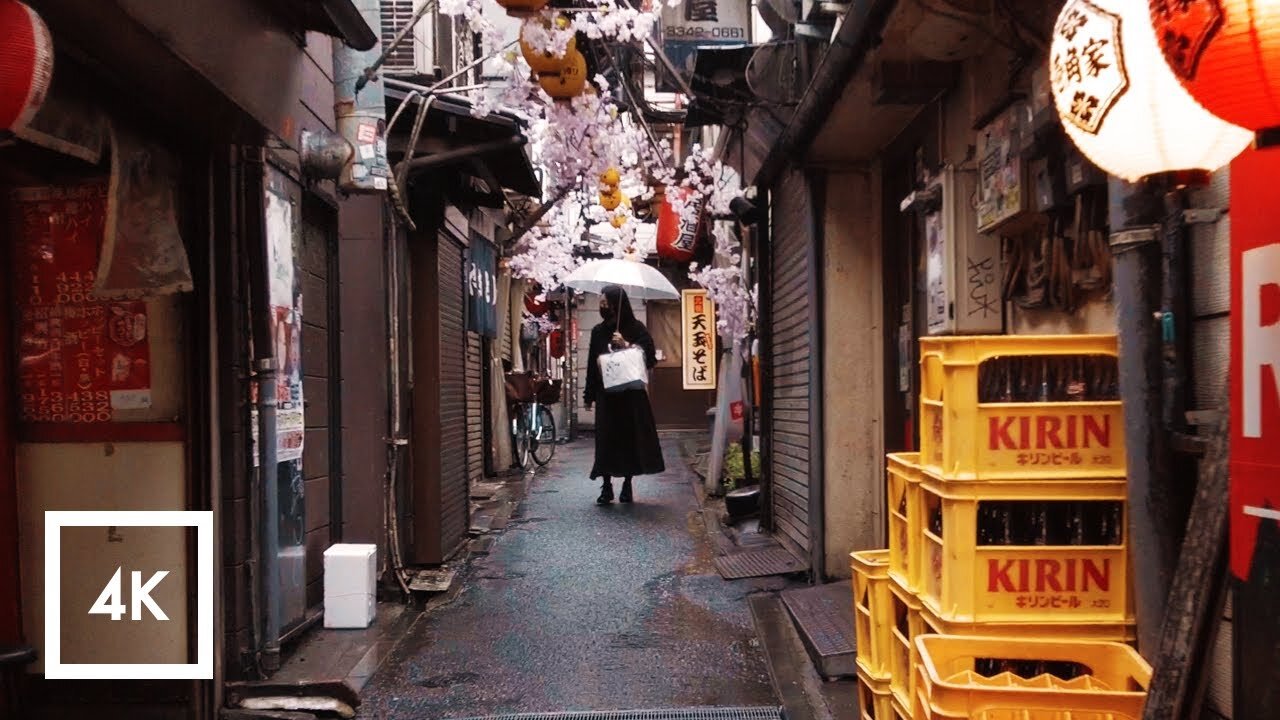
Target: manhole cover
(704, 713)
(760, 563)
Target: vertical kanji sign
(1255, 353)
(698, 331)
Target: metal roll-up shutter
(475, 408)
(791, 313)
(455, 490)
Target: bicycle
(533, 427)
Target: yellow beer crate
(907, 624)
(1025, 552)
(875, 701)
(900, 712)
(1028, 679)
(904, 494)
(1126, 632)
(1020, 407)
(872, 609)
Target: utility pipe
(264, 366)
(1139, 222)
(858, 33)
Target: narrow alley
(581, 607)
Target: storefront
(134, 198)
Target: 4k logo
(111, 603)
(143, 589)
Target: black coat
(626, 434)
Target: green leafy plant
(734, 472)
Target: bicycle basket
(549, 392)
(520, 387)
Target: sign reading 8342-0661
(130, 600)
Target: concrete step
(823, 615)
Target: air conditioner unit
(416, 54)
(963, 292)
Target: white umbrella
(640, 281)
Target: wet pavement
(582, 607)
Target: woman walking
(626, 435)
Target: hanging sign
(1255, 354)
(698, 334)
(80, 357)
(700, 22)
(482, 287)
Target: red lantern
(1226, 54)
(678, 237)
(557, 344)
(26, 63)
(533, 304)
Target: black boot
(606, 492)
(625, 496)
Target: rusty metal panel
(475, 415)
(455, 490)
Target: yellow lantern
(523, 8)
(569, 81)
(543, 61)
(610, 199)
(618, 221)
(611, 177)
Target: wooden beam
(1198, 593)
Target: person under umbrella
(626, 434)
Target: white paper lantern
(1119, 101)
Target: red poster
(1255, 351)
(79, 358)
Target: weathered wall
(247, 55)
(112, 476)
(852, 368)
(363, 302)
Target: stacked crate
(1010, 522)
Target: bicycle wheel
(521, 436)
(544, 441)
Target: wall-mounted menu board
(79, 358)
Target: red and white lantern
(535, 306)
(1225, 53)
(26, 64)
(677, 235)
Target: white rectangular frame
(55, 520)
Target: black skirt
(626, 436)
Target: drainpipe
(264, 367)
(360, 111)
(1148, 247)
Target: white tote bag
(624, 370)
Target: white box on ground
(350, 585)
(350, 612)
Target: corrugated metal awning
(450, 127)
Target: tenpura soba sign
(1255, 353)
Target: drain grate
(702, 713)
(759, 563)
